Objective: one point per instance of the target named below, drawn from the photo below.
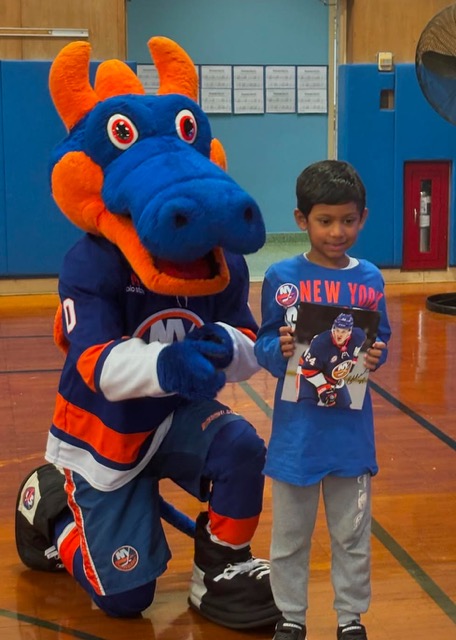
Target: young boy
(313, 447)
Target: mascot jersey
(111, 414)
(308, 441)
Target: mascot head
(144, 171)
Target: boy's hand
(372, 355)
(287, 343)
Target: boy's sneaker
(40, 500)
(352, 631)
(229, 586)
(286, 630)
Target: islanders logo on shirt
(287, 295)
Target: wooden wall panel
(387, 25)
(105, 20)
(369, 26)
(10, 16)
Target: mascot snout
(201, 209)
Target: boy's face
(333, 230)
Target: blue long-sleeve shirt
(307, 441)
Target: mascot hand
(182, 369)
(214, 342)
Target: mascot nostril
(154, 320)
(248, 215)
(180, 221)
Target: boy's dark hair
(329, 182)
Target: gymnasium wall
(24, 25)
(265, 152)
(385, 25)
(379, 141)
(34, 235)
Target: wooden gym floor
(414, 503)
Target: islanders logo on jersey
(287, 295)
(342, 370)
(125, 558)
(29, 498)
(168, 325)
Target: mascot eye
(186, 126)
(121, 131)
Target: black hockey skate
(40, 500)
(230, 586)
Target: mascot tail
(176, 518)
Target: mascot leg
(229, 585)
(47, 539)
(126, 604)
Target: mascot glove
(214, 342)
(183, 369)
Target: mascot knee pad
(239, 441)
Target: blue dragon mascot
(154, 320)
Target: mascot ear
(77, 182)
(218, 155)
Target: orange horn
(69, 83)
(176, 70)
(115, 78)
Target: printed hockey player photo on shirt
(327, 366)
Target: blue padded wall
(37, 234)
(421, 134)
(34, 234)
(379, 142)
(366, 139)
(3, 255)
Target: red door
(426, 196)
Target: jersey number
(70, 314)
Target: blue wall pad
(378, 142)
(37, 234)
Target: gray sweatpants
(347, 504)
